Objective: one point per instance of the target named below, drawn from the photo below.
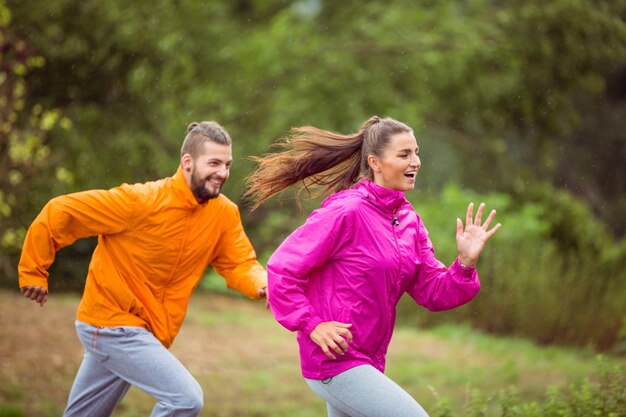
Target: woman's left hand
(471, 241)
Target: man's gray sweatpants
(364, 391)
(118, 357)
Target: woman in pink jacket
(337, 279)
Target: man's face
(210, 170)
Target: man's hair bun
(191, 126)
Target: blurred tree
(96, 55)
(504, 95)
(24, 152)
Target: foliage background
(520, 104)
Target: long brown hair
(320, 159)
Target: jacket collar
(389, 200)
(182, 190)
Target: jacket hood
(390, 201)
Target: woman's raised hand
(471, 239)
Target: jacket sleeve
(67, 218)
(436, 287)
(236, 260)
(289, 268)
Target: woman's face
(397, 168)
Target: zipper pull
(395, 222)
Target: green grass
(248, 365)
(473, 362)
(11, 410)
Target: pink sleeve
(439, 288)
(289, 268)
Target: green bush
(552, 273)
(603, 395)
(11, 410)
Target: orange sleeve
(236, 260)
(66, 219)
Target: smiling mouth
(410, 174)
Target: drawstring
(94, 339)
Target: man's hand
(35, 293)
(332, 336)
(263, 294)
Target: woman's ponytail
(320, 159)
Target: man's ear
(186, 162)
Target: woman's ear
(373, 163)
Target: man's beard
(199, 190)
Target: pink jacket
(351, 262)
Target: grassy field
(248, 365)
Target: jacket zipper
(180, 253)
(394, 222)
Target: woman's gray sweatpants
(118, 357)
(364, 391)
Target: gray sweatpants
(364, 391)
(118, 357)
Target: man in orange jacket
(155, 241)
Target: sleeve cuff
(33, 281)
(311, 325)
(466, 272)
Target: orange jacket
(154, 243)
